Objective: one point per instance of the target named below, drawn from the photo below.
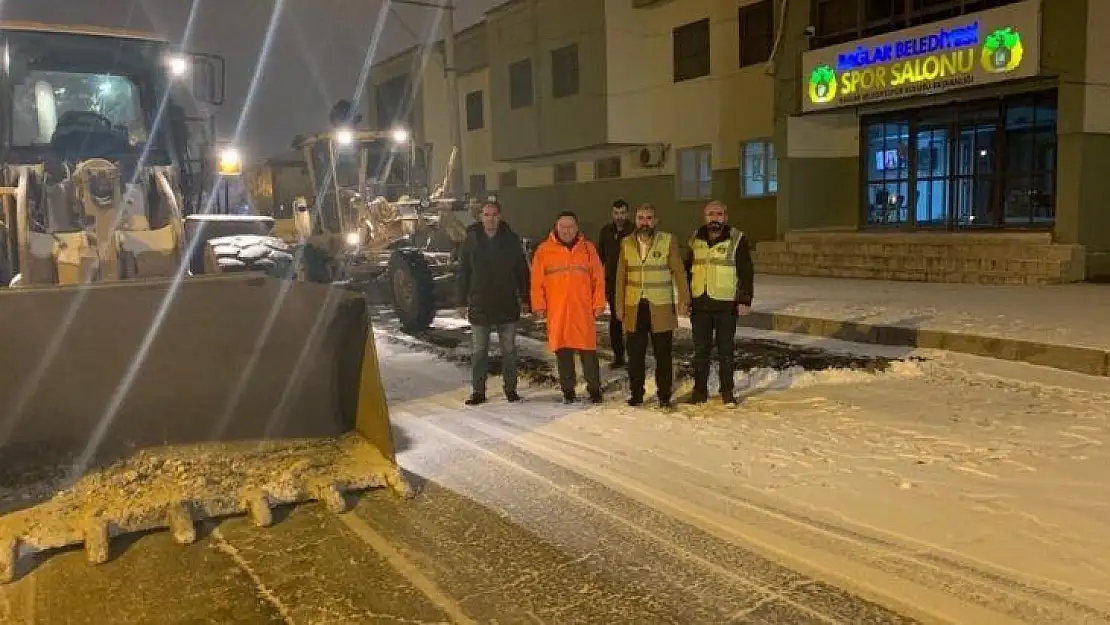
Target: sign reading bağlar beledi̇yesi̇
(977, 49)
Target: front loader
(160, 365)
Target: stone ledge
(1085, 360)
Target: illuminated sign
(983, 48)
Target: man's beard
(715, 227)
(645, 231)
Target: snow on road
(957, 487)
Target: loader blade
(146, 404)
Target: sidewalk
(1067, 326)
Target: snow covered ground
(1070, 314)
(954, 488)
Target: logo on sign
(822, 84)
(1002, 51)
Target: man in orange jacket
(568, 288)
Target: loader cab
(97, 145)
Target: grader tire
(413, 290)
(248, 252)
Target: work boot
(699, 397)
(512, 396)
(475, 399)
(595, 398)
(636, 401)
(618, 363)
(569, 397)
(664, 401)
(728, 398)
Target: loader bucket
(143, 404)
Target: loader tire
(249, 252)
(413, 290)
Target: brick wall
(970, 258)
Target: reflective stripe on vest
(649, 278)
(714, 268)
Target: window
(566, 172)
(506, 179)
(520, 84)
(757, 32)
(564, 71)
(478, 186)
(605, 168)
(839, 21)
(759, 170)
(391, 103)
(691, 50)
(695, 173)
(972, 165)
(475, 115)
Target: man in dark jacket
(493, 291)
(721, 288)
(609, 249)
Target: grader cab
(156, 368)
(357, 204)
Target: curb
(1085, 360)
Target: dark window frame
(995, 178)
(475, 110)
(608, 168)
(559, 175)
(756, 31)
(859, 19)
(691, 45)
(522, 90)
(480, 190)
(565, 71)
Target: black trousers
(591, 370)
(616, 331)
(661, 344)
(713, 329)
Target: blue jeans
(479, 362)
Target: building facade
(935, 140)
(947, 140)
(571, 104)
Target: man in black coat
(493, 291)
(609, 249)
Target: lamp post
(451, 75)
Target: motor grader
(356, 203)
(148, 377)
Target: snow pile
(211, 479)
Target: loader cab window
(45, 101)
(74, 97)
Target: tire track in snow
(572, 494)
(920, 564)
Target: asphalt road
(440, 558)
(505, 537)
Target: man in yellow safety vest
(651, 293)
(721, 288)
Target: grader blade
(138, 405)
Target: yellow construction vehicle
(160, 365)
(357, 205)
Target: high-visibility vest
(648, 278)
(714, 268)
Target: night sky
(316, 55)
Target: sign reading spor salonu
(976, 49)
